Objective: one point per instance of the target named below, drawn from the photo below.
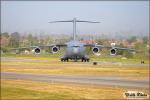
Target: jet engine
(55, 49)
(37, 50)
(113, 52)
(95, 50)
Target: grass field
(54, 66)
(20, 89)
(126, 72)
(135, 59)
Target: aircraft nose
(75, 50)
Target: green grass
(49, 56)
(54, 66)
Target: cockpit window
(76, 46)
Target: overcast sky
(127, 17)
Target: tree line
(16, 40)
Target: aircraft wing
(94, 45)
(124, 48)
(21, 48)
(59, 45)
(41, 46)
(119, 48)
(105, 46)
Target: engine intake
(37, 50)
(113, 52)
(55, 49)
(95, 50)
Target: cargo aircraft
(75, 50)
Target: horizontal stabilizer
(87, 21)
(61, 21)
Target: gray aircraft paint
(75, 49)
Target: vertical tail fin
(74, 25)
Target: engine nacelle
(37, 50)
(55, 49)
(95, 50)
(113, 52)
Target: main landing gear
(85, 59)
(64, 59)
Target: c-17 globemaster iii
(75, 50)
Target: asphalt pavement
(93, 80)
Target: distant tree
(5, 34)
(4, 50)
(14, 40)
(48, 40)
(30, 39)
(145, 40)
(35, 42)
(100, 41)
(132, 39)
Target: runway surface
(93, 80)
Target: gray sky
(126, 17)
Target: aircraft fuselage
(75, 50)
